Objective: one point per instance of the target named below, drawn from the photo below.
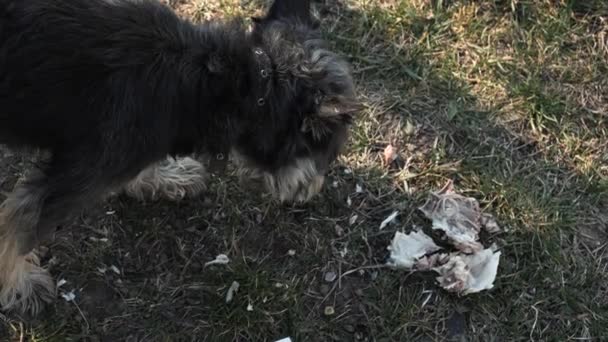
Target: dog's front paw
(173, 179)
(25, 287)
(298, 183)
(307, 191)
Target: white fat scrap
(466, 274)
(234, 288)
(458, 216)
(221, 259)
(389, 219)
(69, 296)
(406, 249)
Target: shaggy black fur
(110, 87)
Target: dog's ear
(290, 11)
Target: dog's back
(65, 64)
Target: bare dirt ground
(506, 98)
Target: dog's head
(306, 106)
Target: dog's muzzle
(298, 182)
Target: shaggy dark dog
(113, 90)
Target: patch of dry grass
(507, 98)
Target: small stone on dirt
(330, 277)
(339, 230)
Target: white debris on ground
(115, 269)
(407, 249)
(358, 189)
(389, 219)
(221, 259)
(466, 274)
(470, 269)
(69, 296)
(286, 339)
(353, 220)
(234, 288)
(459, 217)
(94, 239)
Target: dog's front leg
(173, 179)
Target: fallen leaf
(390, 154)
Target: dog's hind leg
(65, 185)
(24, 285)
(173, 179)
